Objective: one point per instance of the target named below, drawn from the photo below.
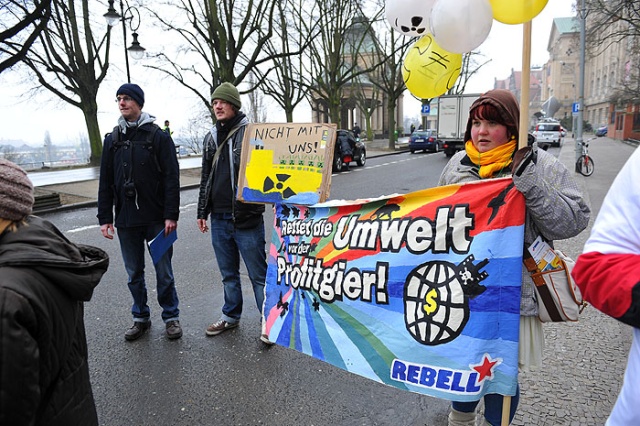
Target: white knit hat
(16, 192)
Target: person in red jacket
(608, 275)
(44, 281)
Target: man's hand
(169, 226)
(202, 225)
(107, 230)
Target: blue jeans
(229, 243)
(132, 245)
(492, 407)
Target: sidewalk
(584, 362)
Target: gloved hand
(521, 159)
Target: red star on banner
(485, 369)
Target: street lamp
(132, 15)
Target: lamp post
(572, 67)
(582, 15)
(132, 15)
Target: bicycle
(585, 165)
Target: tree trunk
(391, 111)
(334, 111)
(90, 111)
(369, 129)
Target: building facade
(608, 66)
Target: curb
(92, 203)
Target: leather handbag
(559, 298)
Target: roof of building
(567, 25)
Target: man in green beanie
(237, 228)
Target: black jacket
(155, 175)
(44, 280)
(245, 214)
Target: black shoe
(174, 331)
(137, 330)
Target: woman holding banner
(555, 209)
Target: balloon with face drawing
(428, 70)
(409, 17)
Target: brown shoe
(220, 326)
(137, 330)
(174, 331)
(264, 338)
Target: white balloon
(460, 26)
(409, 17)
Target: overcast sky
(29, 119)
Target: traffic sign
(426, 108)
(575, 107)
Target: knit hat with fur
(16, 192)
(132, 90)
(227, 92)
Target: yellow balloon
(428, 70)
(516, 11)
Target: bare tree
(472, 62)
(256, 111)
(21, 22)
(226, 39)
(286, 82)
(67, 61)
(610, 22)
(197, 127)
(333, 55)
(48, 147)
(9, 153)
(368, 98)
(388, 78)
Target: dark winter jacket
(44, 280)
(140, 176)
(245, 214)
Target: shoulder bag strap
(219, 149)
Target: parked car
(424, 140)
(601, 131)
(548, 132)
(348, 148)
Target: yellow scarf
(492, 161)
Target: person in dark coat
(237, 228)
(44, 280)
(140, 177)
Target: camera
(129, 189)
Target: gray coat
(555, 206)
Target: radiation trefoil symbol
(436, 299)
(278, 185)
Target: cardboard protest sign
(287, 162)
(418, 291)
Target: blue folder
(160, 244)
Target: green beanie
(227, 92)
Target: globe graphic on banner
(436, 309)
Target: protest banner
(286, 162)
(419, 291)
